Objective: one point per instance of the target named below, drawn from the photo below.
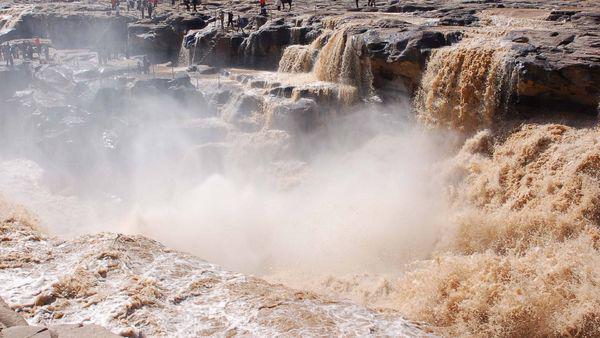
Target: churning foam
(464, 86)
(520, 257)
(523, 259)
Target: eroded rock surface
(556, 42)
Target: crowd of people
(145, 7)
(25, 50)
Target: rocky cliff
(555, 55)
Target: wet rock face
(213, 47)
(264, 48)
(58, 331)
(12, 325)
(159, 41)
(551, 66)
(398, 58)
(161, 37)
(14, 79)
(260, 49)
(558, 69)
(73, 30)
(555, 63)
(298, 116)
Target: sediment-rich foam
(519, 255)
(542, 183)
(523, 259)
(545, 291)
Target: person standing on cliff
(150, 8)
(146, 65)
(6, 53)
(10, 61)
(38, 47)
(195, 3)
(222, 18)
(143, 7)
(263, 7)
(230, 20)
(187, 5)
(241, 23)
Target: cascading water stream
(464, 86)
(335, 57)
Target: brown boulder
(78, 331)
(26, 332)
(8, 317)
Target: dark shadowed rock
(398, 58)
(300, 115)
(161, 42)
(558, 69)
(264, 47)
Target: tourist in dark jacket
(150, 8)
(146, 64)
(230, 20)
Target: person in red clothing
(38, 47)
(263, 7)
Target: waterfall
(465, 86)
(184, 57)
(297, 59)
(334, 57)
(295, 35)
(301, 58)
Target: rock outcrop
(556, 45)
(560, 69)
(12, 325)
(9, 318)
(57, 331)
(160, 38)
(80, 27)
